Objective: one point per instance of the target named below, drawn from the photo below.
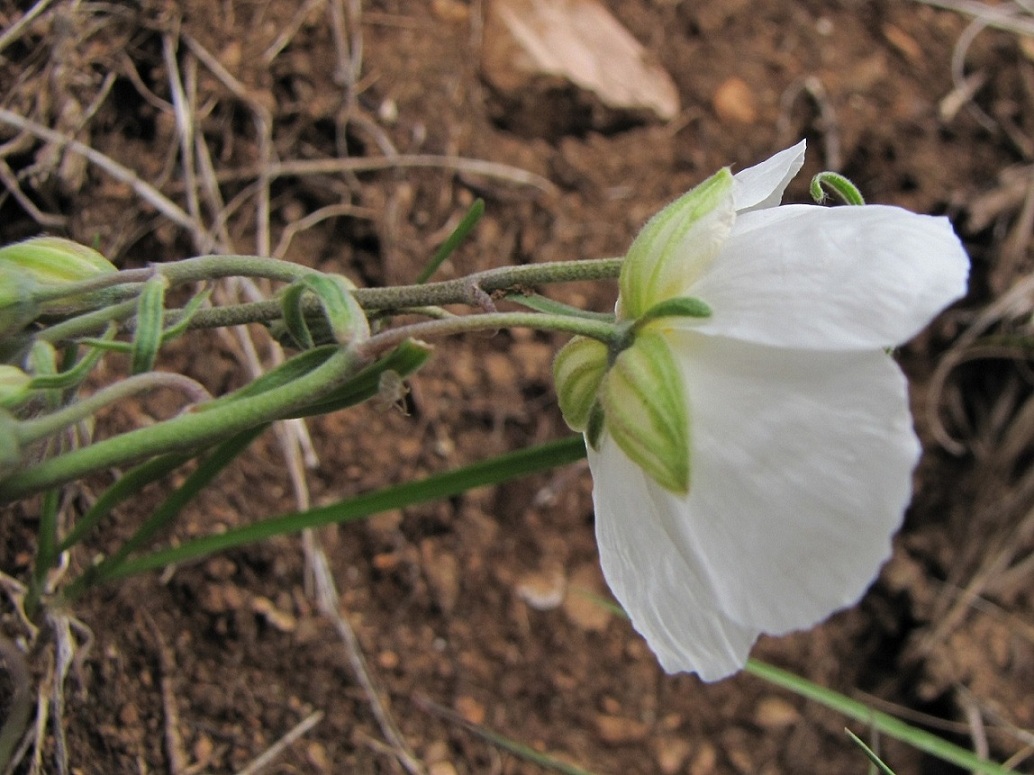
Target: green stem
(186, 432)
(46, 550)
(469, 290)
(88, 323)
(465, 290)
(489, 321)
(216, 266)
(28, 431)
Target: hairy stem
(28, 431)
(191, 431)
(469, 290)
(596, 329)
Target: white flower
(800, 441)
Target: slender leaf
(292, 308)
(477, 209)
(876, 760)
(488, 472)
(517, 749)
(126, 487)
(882, 722)
(150, 311)
(163, 516)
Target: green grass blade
(46, 549)
(208, 469)
(521, 750)
(488, 472)
(126, 487)
(883, 723)
(453, 240)
(876, 760)
(534, 301)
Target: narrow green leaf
(882, 722)
(126, 487)
(477, 209)
(876, 760)
(292, 309)
(534, 301)
(517, 749)
(286, 372)
(46, 550)
(74, 376)
(163, 516)
(494, 471)
(150, 312)
(186, 316)
(403, 361)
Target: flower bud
(17, 307)
(578, 370)
(46, 262)
(14, 385)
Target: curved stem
(28, 431)
(467, 290)
(88, 323)
(186, 432)
(490, 321)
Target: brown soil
(202, 668)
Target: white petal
(655, 576)
(801, 469)
(762, 185)
(832, 277)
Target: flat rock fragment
(562, 66)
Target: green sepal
(150, 316)
(680, 307)
(644, 403)
(594, 430)
(676, 246)
(55, 260)
(578, 370)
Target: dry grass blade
(121, 173)
(330, 606)
(1015, 304)
(1011, 17)
(295, 733)
(488, 169)
(13, 32)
